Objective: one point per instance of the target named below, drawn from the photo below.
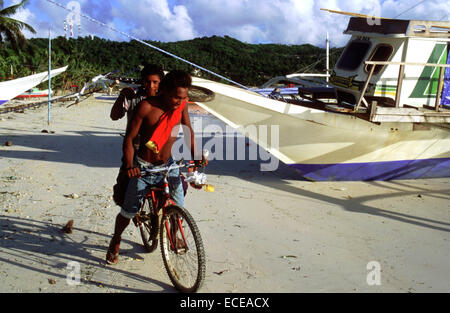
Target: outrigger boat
(107, 82)
(33, 93)
(12, 88)
(381, 118)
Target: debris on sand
(220, 272)
(69, 227)
(72, 196)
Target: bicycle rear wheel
(149, 226)
(182, 249)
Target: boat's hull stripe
(3, 101)
(393, 170)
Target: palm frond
(11, 10)
(10, 28)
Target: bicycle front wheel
(182, 249)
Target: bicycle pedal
(181, 251)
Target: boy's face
(151, 84)
(176, 97)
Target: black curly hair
(176, 78)
(152, 69)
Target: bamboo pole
(407, 63)
(401, 73)
(438, 92)
(363, 92)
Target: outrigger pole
(150, 45)
(355, 14)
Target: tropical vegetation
(248, 64)
(11, 29)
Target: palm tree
(11, 29)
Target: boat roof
(397, 28)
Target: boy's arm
(118, 109)
(128, 150)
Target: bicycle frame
(162, 220)
(152, 195)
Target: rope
(410, 8)
(149, 45)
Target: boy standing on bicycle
(151, 76)
(126, 103)
(156, 121)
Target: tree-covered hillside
(248, 64)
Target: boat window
(420, 28)
(381, 53)
(354, 54)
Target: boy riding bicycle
(156, 121)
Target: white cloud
(297, 21)
(254, 21)
(155, 20)
(276, 21)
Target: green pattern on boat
(427, 83)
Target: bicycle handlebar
(168, 168)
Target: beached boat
(382, 118)
(33, 93)
(107, 82)
(12, 88)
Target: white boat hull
(12, 88)
(332, 146)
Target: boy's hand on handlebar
(196, 186)
(133, 172)
(200, 163)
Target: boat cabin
(397, 70)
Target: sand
(262, 231)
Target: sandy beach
(262, 231)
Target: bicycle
(159, 218)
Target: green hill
(248, 64)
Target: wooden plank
(442, 26)
(397, 111)
(366, 85)
(354, 14)
(406, 115)
(410, 119)
(373, 109)
(438, 92)
(406, 63)
(401, 73)
(409, 112)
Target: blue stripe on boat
(393, 170)
(106, 97)
(3, 101)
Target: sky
(251, 21)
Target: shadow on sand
(250, 170)
(44, 248)
(92, 149)
(103, 149)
